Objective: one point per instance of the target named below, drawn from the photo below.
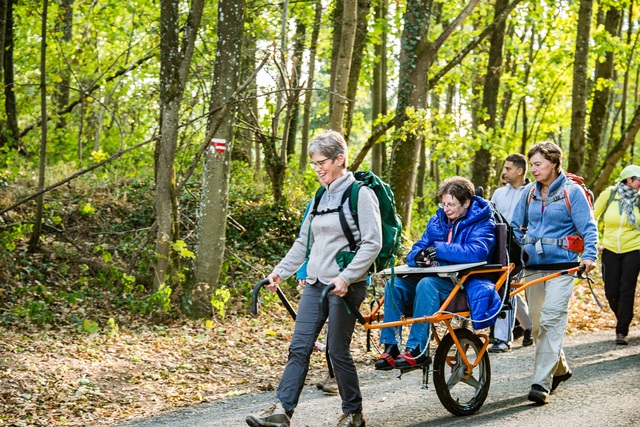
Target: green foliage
(180, 247)
(87, 210)
(220, 298)
(90, 326)
(113, 328)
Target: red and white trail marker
(218, 145)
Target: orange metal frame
(443, 316)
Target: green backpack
(391, 221)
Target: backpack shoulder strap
(571, 182)
(316, 200)
(353, 200)
(612, 197)
(349, 194)
(529, 189)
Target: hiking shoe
(518, 332)
(412, 359)
(527, 339)
(499, 347)
(328, 385)
(621, 340)
(275, 416)
(352, 420)
(556, 380)
(538, 394)
(387, 360)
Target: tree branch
(473, 44)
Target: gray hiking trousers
(340, 329)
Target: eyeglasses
(448, 206)
(319, 163)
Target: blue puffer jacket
(472, 240)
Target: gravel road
(604, 391)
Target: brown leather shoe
(538, 394)
(352, 420)
(556, 380)
(275, 416)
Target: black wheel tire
(461, 396)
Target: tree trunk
(4, 5)
(212, 219)
(480, 172)
(416, 56)
(37, 223)
(414, 65)
(364, 6)
(247, 148)
(604, 75)
(523, 100)
(338, 7)
(296, 71)
(174, 69)
(580, 93)
(12, 132)
(379, 91)
(63, 87)
(617, 152)
(507, 96)
(317, 20)
(343, 66)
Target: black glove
(420, 260)
(430, 253)
(424, 255)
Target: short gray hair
(329, 143)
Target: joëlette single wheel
(460, 391)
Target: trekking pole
(281, 295)
(350, 306)
(287, 305)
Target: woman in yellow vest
(619, 206)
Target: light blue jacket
(552, 221)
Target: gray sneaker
(275, 416)
(352, 420)
(499, 347)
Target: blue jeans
(425, 294)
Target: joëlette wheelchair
(461, 366)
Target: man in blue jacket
(461, 231)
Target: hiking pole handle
(350, 307)
(254, 295)
(281, 295)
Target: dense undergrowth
(96, 253)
